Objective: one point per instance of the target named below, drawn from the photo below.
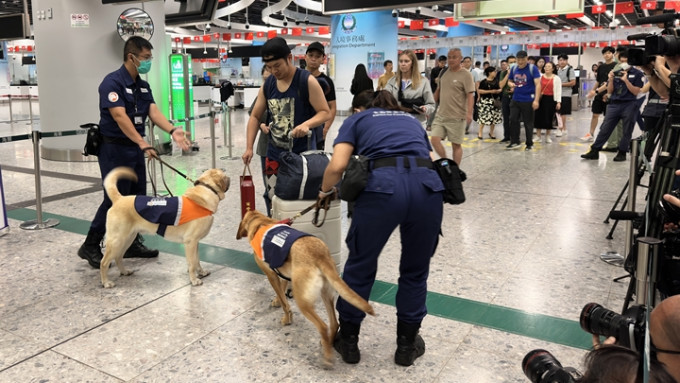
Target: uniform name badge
(138, 120)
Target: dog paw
(109, 284)
(196, 282)
(203, 273)
(276, 302)
(126, 272)
(287, 319)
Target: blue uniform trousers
(626, 111)
(110, 157)
(417, 210)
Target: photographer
(664, 330)
(622, 90)
(619, 364)
(659, 74)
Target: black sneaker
(528, 148)
(504, 140)
(513, 146)
(348, 347)
(138, 250)
(620, 156)
(611, 150)
(591, 155)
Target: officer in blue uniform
(402, 190)
(125, 101)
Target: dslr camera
(628, 329)
(540, 366)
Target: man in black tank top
(296, 101)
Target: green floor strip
(543, 327)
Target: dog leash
(158, 158)
(324, 204)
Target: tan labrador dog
(312, 272)
(123, 222)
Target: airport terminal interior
(515, 265)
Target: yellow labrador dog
(310, 268)
(186, 219)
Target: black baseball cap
(522, 54)
(274, 49)
(316, 46)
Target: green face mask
(144, 66)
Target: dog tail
(331, 274)
(111, 181)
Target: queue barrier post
(38, 223)
(226, 126)
(11, 118)
(212, 137)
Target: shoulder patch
(113, 96)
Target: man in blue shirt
(622, 90)
(125, 101)
(525, 82)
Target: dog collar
(201, 183)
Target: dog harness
(272, 244)
(172, 211)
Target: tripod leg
(618, 199)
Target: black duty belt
(392, 162)
(119, 141)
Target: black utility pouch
(452, 178)
(355, 178)
(93, 141)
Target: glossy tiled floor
(514, 267)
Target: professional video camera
(628, 329)
(540, 366)
(666, 43)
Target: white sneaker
(548, 140)
(587, 138)
(558, 133)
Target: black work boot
(593, 154)
(91, 250)
(620, 156)
(410, 345)
(347, 342)
(138, 250)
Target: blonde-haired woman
(411, 89)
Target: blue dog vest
(274, 245)
(168, 211)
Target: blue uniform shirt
(378, 133)
(119, 89)
(525, 88)
(621, 92)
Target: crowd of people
(388, 128)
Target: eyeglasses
(144, 58)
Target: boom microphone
(657, 19)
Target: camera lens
(597, 320)
(537, 362)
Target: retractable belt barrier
(28, 97)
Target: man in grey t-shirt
(566, 73)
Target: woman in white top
(412, 90)
(551, 98)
